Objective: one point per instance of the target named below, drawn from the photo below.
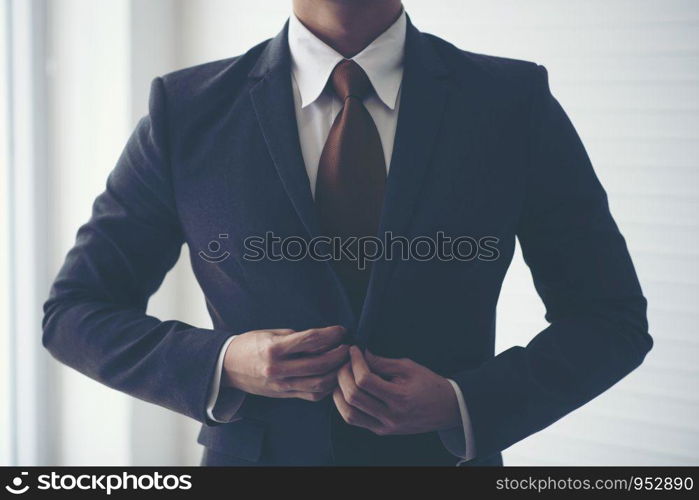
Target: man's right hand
(285, 363)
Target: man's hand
(394, 396)
(284, 363)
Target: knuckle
(270, 371)
(353, 397)
(312, 334)
(352, 417)
(362, 381)
(282, 386)
(273, 350)
(402, 396)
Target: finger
(354, 416)
(357, 398)
(318, 364)
(323, 383)
(368, 381)
(312, 341)
(386, 367)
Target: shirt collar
(312, 61)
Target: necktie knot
(349, 79)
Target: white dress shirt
(312, 62)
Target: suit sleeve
(95, 318)
(581, 268)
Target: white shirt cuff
(459, 440)
(223, 406)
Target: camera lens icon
(16, 487)
(215, 254)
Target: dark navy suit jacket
(482, 148)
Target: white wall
(6, 440)
(102, 57)
(625, 70)
(87, 66)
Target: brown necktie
(351, 175)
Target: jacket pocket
(242, 438)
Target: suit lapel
(422, 104)
(273, 102)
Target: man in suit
(352, 125)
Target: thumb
(384, 366)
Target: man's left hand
(394, 396)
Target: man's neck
(348, 26)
